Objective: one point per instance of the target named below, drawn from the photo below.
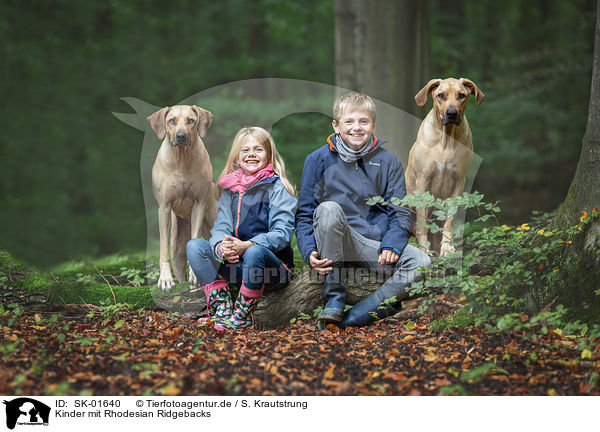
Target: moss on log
(63, 287)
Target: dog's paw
(165, 283)
(446, 249)
(192, 279)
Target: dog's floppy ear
(421, 97)
(474, 90)
(157, 121)
(204, 120)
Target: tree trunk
(381, 49)
(584, 195)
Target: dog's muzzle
(181, 139)
(451, 116)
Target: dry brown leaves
(159, 353)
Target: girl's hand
(225, 248)
(234, 248)
(225, 253)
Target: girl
(250, 240)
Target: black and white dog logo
(26, 411)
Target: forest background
(70, 181)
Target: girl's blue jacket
(263, 214)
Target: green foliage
(134, 275)
(8, 348)
(461, 319)
(456, 389)
(470, 376)
(15, 273)
(510, 278)
(79, 282)
(109, 312)
(301, 317)
(479, 372)
(146, 369)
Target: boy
(335, 225)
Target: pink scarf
(237, 181)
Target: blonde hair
(351, 102)
(265, 139)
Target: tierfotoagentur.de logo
(26, 412)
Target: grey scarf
(349, 155)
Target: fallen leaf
(329, 372)
(429, 356)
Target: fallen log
(303, 295)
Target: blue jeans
(257, 267)
(340, 243)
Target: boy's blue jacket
(327, 178)
(263, 214)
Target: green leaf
(375, 200)
(481, 371)
(121, 357)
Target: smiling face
(355, 128)
(253, 156)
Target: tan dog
(440, 157)
(182, 185)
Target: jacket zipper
(237, 222)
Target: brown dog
(440, 157)
(182, 185)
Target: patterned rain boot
(242, 313)
(218, 302)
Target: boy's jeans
(257, 266)
(340, 243)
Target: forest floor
(144, 352)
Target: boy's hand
(387, 257)
(322, 266)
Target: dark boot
(334, 297)
(369, 310)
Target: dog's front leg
(197, 220)
(447, 246)
(421, 228)
(165, 281)
(422, 185)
